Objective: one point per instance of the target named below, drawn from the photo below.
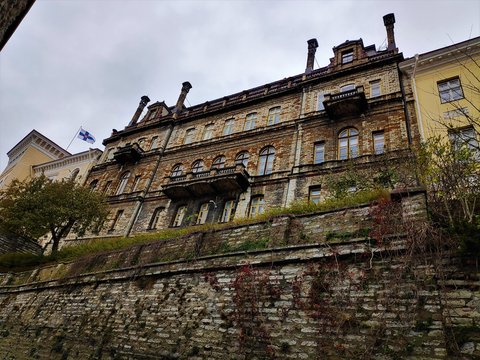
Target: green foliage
(38, 206)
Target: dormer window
(153, 113)
(347, 56)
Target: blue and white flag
(86, 136)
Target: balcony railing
(214, 181)
(351, 102)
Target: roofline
(436, 52)
(35, 132)
(71, 157)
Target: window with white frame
(198, 166)
(320, 99)
(219, 162)
(257, 206)
(202, 214)
(228, 209)
(319, 153)
(348, 144)
(274, 115)
(375, 88)
(267, 158)
(450, 90)
(208, 132)
(228, 127)
(155, 218)
(179, 216)
(177, 170)
(464, 138)
(378, 142)
(189, 135)
(314, 194)
(123, 183)
(250, 121)
(347, 56)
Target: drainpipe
(405, 110)
(417, 105)
(139, 205)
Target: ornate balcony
(128, 153)
(214, 181)
(347, 103)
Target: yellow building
(445, 85)
(33, 149)
(35, 155)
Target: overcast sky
(86, 62)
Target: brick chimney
(388, 21)
(144, 100)
(186, 86)
(312, 48)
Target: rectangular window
(250, 121)
(347, 56)
(189, 134)
(227, 213)
(378, 142)
(228, 128)
(257, 206)
(319, 154)
(466, 137)
(202, 214)
(375, 88)
(314, 194)
(208, 132)
(320, 98)
(117, 218)
(152, 114)
(274, 116)
(450, 90)
(179, 216)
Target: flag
(86, 136)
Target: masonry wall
(296, 303)
(9, 244)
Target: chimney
(186, 86)
(388, 21)
(312, 48)
(144, 100)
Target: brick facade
(362, 93)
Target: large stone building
(264, 147)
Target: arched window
(74, 173)
(155, 217)
(242, 158)
(267, 157)
(123, 183)
(177, 170)
(198, 166)
(93, 185)
(189, 136)
(219, 162)
(250, 121)
(274, 115)
(348, 144)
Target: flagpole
(74, 136)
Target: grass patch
(19, 261)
